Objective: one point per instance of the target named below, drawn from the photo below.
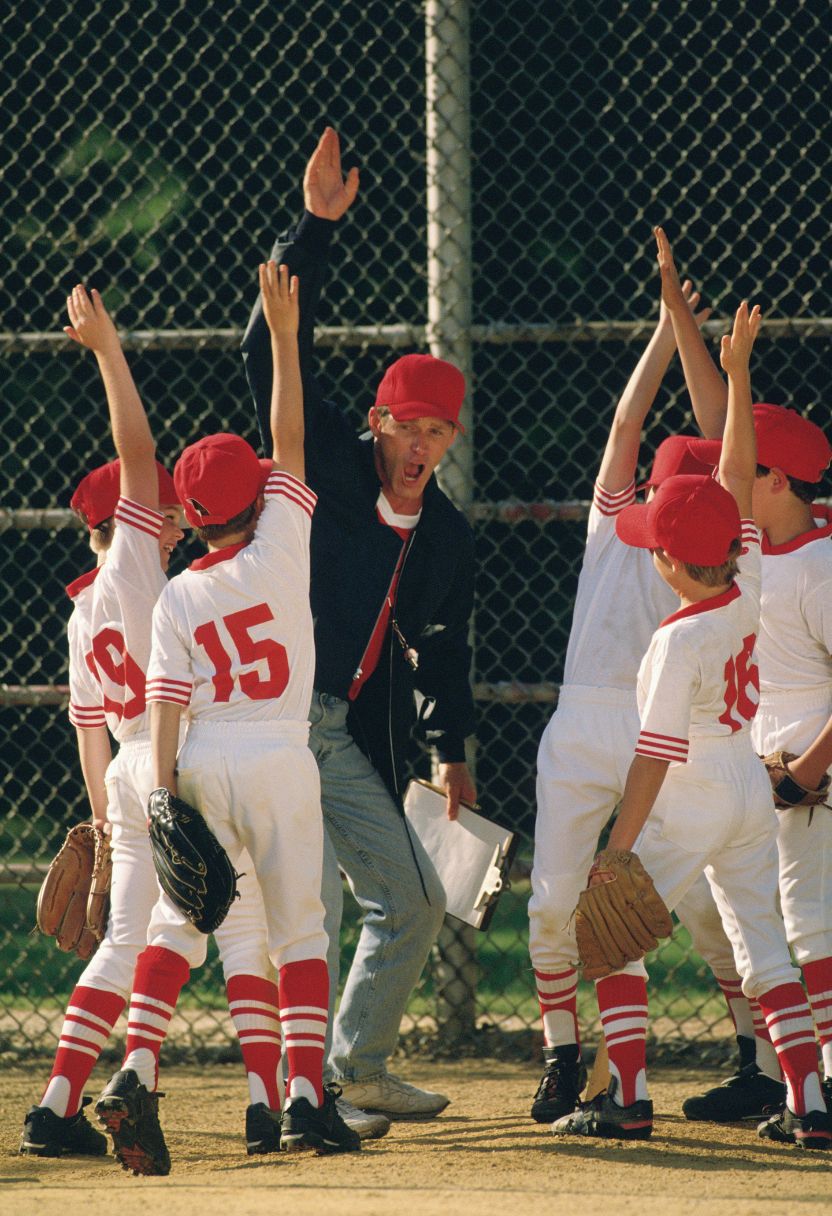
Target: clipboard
(472, 855)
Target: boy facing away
(232, 643)
(697, 796)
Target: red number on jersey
(252, 684)
(741, 673)
(109, 656)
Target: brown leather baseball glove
(787, 791)
(620, 918)
(74, 899)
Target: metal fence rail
(514, 160)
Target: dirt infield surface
(483, 1155)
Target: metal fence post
(449, 336)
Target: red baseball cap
(422, 386)
(97, 494)
(788, 441)
(217, 478)
(691, 516)
(675, 455)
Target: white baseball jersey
(795, 641)
(86, 703)
(232, 635)
(124, 594)
(620, 601)
(699, 678)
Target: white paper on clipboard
(470, 854)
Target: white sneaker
(369, 1125)
(394, 1098)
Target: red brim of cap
(267, 468)
(406, 411)
(706, 450)
(634, 527)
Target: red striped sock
(789, 1023)
(254, 1006)
(622, 1002)
(304, 997)
(738, 1005)
(90, 1016)
(557, 993)
(818, 977)
(159, 978)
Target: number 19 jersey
(233, 634)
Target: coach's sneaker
(387, 1095)
(319, 1128)
(605, 1118)
(559, 1091)
(748, 1094)
(262, 1129)
(369, 1125)
(130, 1114)
(46, 1134)
(812, 1130)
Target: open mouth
(411, 473)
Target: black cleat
(319, 1128)
(748, 1094)
(559, 1091)
(826, 1090)
(262, 1129)
(130, 1114)
(46, 1134)
(812, 1130)
(605, 1118)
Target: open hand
(735, 351)
(326, 193)
(280, 298)
(90, 323)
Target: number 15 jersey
(698, 678)
(232, 634)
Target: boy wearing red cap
(232, 644)
(697, 796)
(795, 712)
(587, 745)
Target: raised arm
(91, 326)
(279, 293)
(620, 458)
(708, 393)
(738, 461)
(327, 195)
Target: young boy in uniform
(586, 748)
(232, 643)
(697, 796)
(794, 653)
(110, 637)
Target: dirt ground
(483, 1155)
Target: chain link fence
(514, 160)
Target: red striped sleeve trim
(87, 716)
(662, 747)
(135, 515)
(176, 692)
(750, 533)
(281, 483)
(611, 504)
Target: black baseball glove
(193, 868)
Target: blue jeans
(366, 835)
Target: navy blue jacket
(354, 556)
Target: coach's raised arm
(392, 580)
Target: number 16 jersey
(698, 678)
(233, 635)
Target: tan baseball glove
(787, 791)
(74, 900)
(619, 918)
